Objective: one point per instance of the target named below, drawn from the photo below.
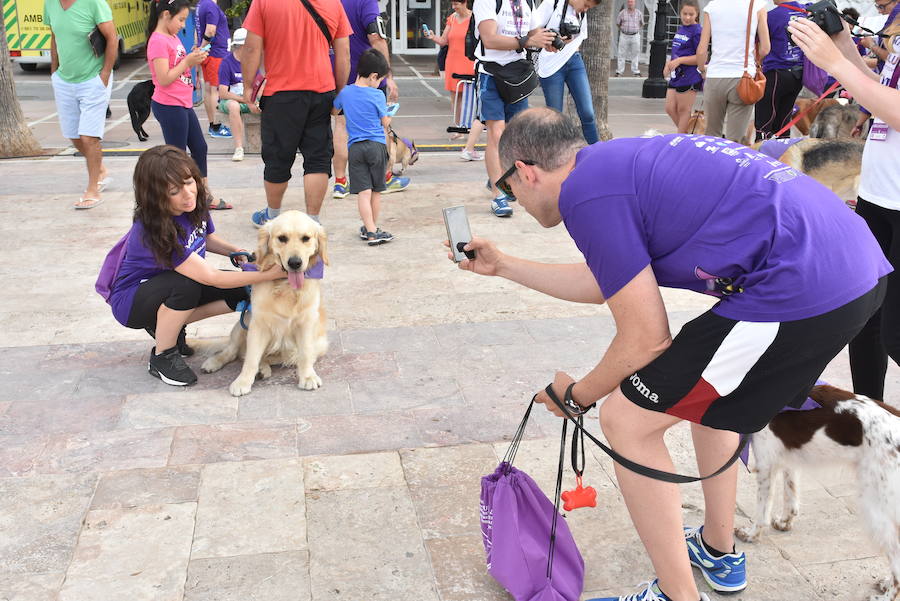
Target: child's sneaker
(378, 237)
(340, 189)
(649, 592)
(396, 184)
(500, 206)
(238, 154)
(170, 368)
(726, 574)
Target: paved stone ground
(115, 486)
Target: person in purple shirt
(164, 281)
(684, 78)
(703, 214)
(783, 68)
(368, 32)
(212, 29)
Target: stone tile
(3, 407)
(122, 380)
(61, 415)
(96, 355)
(19, 454)
(387, 339)
(40, 518)
(249, 508)
(157, 486)
(368, 546)
(139, 554)
(182, 408)
(444, 466)
(492, 333)
(445, 511)
(460, 572)
(233, 442)
(39, 386)
(354, 366)
(394, 394)
(503, 389)
(104, 451)
(340, 472)
(552, 355)
(289, 404)
(269, 577)
(30, 587)
(346, 434)
(452, 426)
(600, 328)
(848, 579)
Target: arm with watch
(539, 37)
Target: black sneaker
(378, 237)
(170, 368)
(183, 348)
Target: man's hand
(254, 108)
(561, 381)
(393, 93)
(541, 38)
(104, 77)
(487, 257)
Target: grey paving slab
(422, 392)
(182, 408)
(233, 442)
(460, 573)
(40, 518)
(250, 507)
(343, 434)
(264, 577)
(19, 454)
(289, 404)
(30, 587)
(452, 336)
(447, 511)
(449, 465)
(139, 554)
(847, 579)
(119, 449)
(157, 486)
(387, 339)
(340, 472)
(60, 415)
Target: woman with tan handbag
(740, 37)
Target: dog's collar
(316, 272)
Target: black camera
(569, 30)
(557, 40)
(826, 15)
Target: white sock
(272, 213)
(316, 219)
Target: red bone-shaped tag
(580, 497)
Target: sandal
(219, 205)
(87, 203)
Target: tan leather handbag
(751, 88)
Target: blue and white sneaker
(726, 574)
(396, 184)
(500, 206)
(259, 218)
(221, 132)
(341, 190)
(649, 592)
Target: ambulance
(29, 39)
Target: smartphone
(206, 48)
(458, 232)
(425, 28)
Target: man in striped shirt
(630, 22)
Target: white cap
(239, 37)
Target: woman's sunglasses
(502, 183)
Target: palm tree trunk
(15, 137)
(595, 51)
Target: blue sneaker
(259, 218)
(726, 574)
(341, 190)
(396, 184)
(221, 132)
(649, 592)
(500, 206)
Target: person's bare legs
(339, 135)
(315, 185)
(684, 105)
(236, 123)
(274, 193)
(210, 101)
(713, 449)
(366, 210)
(169, 321)
(474, 134)
(672, 106)
(492, 152)
(654, 505)
(89, 147)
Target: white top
(547, 16)
(484, 10)
(880, 176)
(728, 19)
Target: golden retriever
(288, 320)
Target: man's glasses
(502, 183)
(883, 5)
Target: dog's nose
(295, 263)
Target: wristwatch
(522, 42)
(574, 406)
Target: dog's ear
(322, 245)
(263, 251)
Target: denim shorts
(81, 106)
(490, 106)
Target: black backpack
(472, 42)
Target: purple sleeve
(609, 233)
(368, 12)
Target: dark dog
(139, 107)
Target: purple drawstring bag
(530, 551)
(815, 78)
(109, 271)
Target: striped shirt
(630, 21)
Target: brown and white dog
(847, 428)
(400, 150)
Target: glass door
(411, 15)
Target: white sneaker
(465, 155)
(238, 154)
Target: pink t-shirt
(179, 92)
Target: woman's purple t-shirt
(685, 43)
(784, 53)
(139, 264)
(698, 208)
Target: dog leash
(790, 124)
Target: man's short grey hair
(543, 136)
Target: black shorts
(292, 121)
(179, 293)
(367, 166)
(737, 375)
(682, 89)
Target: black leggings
(774, 110)
(880, 337)
(179, 293)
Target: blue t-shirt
(363, 107)
(784, 53)
(698, 208)
(361, 14)
(139, 264)
(685, 43)
(209, 13)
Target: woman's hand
(670, 66)
(197, 56)
(275, 272)
(487, 257)
(816, 44)
(561, 381)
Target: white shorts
(81, 106)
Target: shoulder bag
(751, 89)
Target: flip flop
(101, 185)
(92, 202)
(219, 205)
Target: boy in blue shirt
(365, 110)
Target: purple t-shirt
(698, 208)
(139, 264)
(784, 53)
(230, 74)
(361, 14)
(209, 13)
(685, 43)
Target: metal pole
(655, 84)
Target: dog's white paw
(310, 381)
(748, 534)
(887, 584)
(240, 387)
(265, 370)
(212, 364)
(783, 524)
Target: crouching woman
(164, 280)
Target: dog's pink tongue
(295, 279)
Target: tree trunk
(595, 51)
(15, 138)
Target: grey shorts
(367, 166)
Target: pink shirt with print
(180, 92)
